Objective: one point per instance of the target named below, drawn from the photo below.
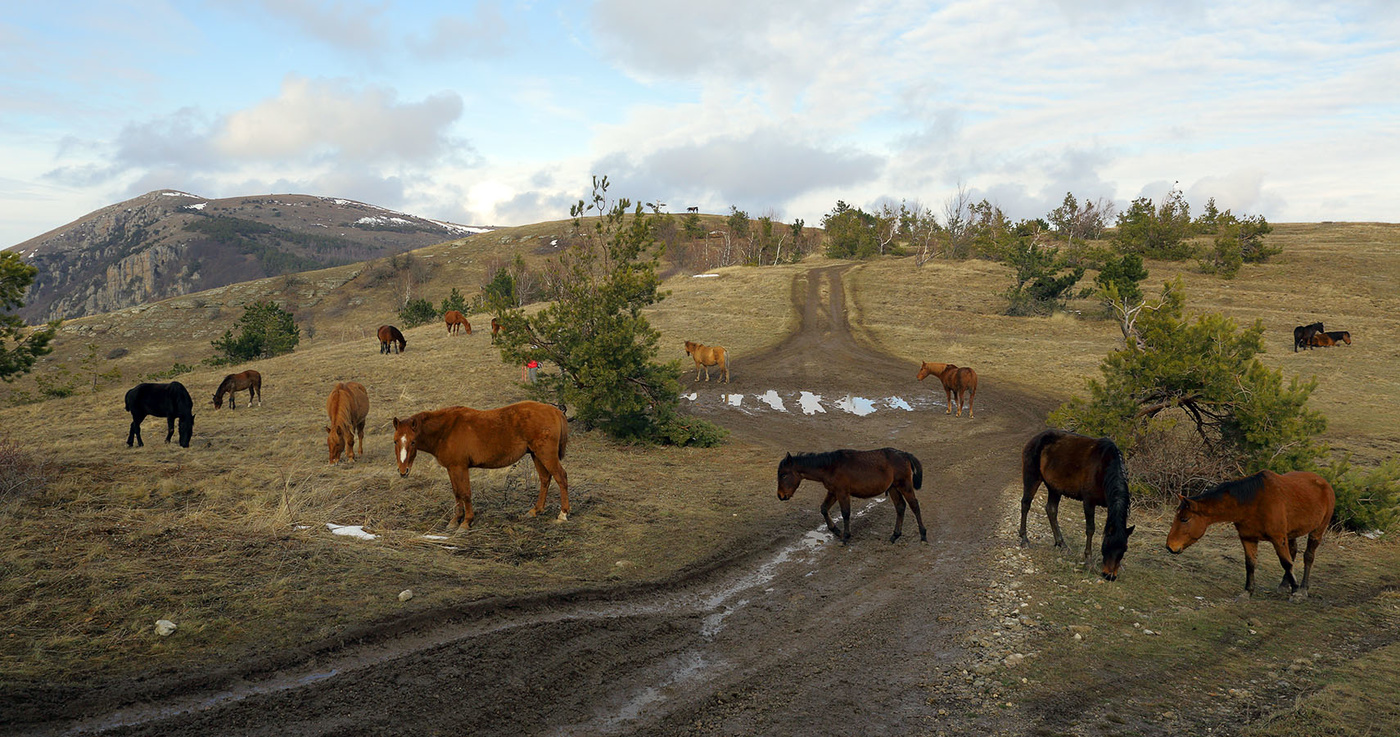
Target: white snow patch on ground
(899, 403)
(811, 403)
(691, 396)
(859, 406)
(735, 400)
(772, 399)
(196, 206)
(355, 531)
(704, 276)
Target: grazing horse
(707, 356)
(171, 401)
(456, 322)
(495, 329)
(1302, 335)
(347, 407)
(956, 382)
(462, 438)
(390, 335)
(1265, 506)
(234, 383)
(859, 473)
(1085, 469)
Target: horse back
(1307, 499)
(348, 402)
(1069, 464)
(495, 438)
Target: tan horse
(347, 407)
(706, 356)
(956, 382)
(462, 438)
(456, 322)
(495, 329)
(234, 383)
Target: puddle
(811, 403)
(772, 399)
(859, 406)
(735, 400)
(899, 403)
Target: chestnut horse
(956, 382)
(495, 329)
(1303, 334)
(1331, 338)
(456, 322)
(171, 401)
(462, 438)
(347, 407)
(707, 356)
(859, 473)
(390, 335)
(233, 383)
(1265, 506)
(1085, 469)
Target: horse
(956, 381)
(1302, 335)
(171, 401)
(707, 356)
(390, 335)
(495, 329)
(462, 438)
(1089, 470)
(456, 321)
(1266, 506)
(1322, 340)
(1339, 336)
(859, 473)
(692, 209)
(233, 383)
(347, 407)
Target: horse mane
(1241, 490)
(1115, 479)
(824, 459)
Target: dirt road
(806, 636)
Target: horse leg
(899, 505)
(1314, 540)
(1052, 511)
(462, 513)
(169, 428)
(725, 366)
(1030, 484)
(359, 428)
(1285, 548)
(135, 431)
(1251, 556)
(970, 397)
(914, 505)
(948, 399)
(547, 469)
(826, 512)
(1088, 535)
(845, 501)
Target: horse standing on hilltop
(347, 406)
(1268, 506)
(462, 438)
(706, 356)
(857, 473)
(234, 383)
(957, 381)
(171, 401)
(456, 322)
(391, 336)
(1086, 469)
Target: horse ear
(789, 456)
(327, 428)
(396, 422)
(1131, 528)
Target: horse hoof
(1246, 596)
(533, 512)
(893, 538)
(563, 517)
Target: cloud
(485, 34)
(344, 24)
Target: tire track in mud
(806, 637)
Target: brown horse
(1339, 336)
(347, 407)
(495, 329)
(706, 356)
(390, 335)
(462, 438)
(956, 382)
(456, 322)
(250, 380)
(1085, 469)
(859, 473)
(1265, 506)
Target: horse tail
(563, 435)
(1030, 457)
(917, 467)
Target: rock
(406, 594)
(164, 627)
(1014, 659)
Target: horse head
(406, 443)
(787, 479)
(927, 369)
(690, 351)
(186, 430)
(1187, 527)
(1115, 544)
(335, 442)
(218, 399)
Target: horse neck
(812, 467)
(1224, 508)
(433, 428)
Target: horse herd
(1266, 506)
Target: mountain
(168, 243)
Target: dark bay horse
(857, 473)
(1085, 469)
(462, 438)
(347, 406)
(1331, 338)
(250, 380)
(390, 335)
(707, 356)
(171, 401)
(1303, 334)
(1265, 506)
(957, 381)
(456, 322)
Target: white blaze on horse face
(403, 450)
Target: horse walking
(456, 322)
(1268, 506)
(391, 336)
(171, 401)
(234, 383)
(859, 473)
(462, 438)
(347, 406)
(956, 381)
(1085, 469)
(707, 356)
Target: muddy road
(804, 637)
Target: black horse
(171, 401)
(1303, 335)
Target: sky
(494, 113)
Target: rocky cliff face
(166, 243)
